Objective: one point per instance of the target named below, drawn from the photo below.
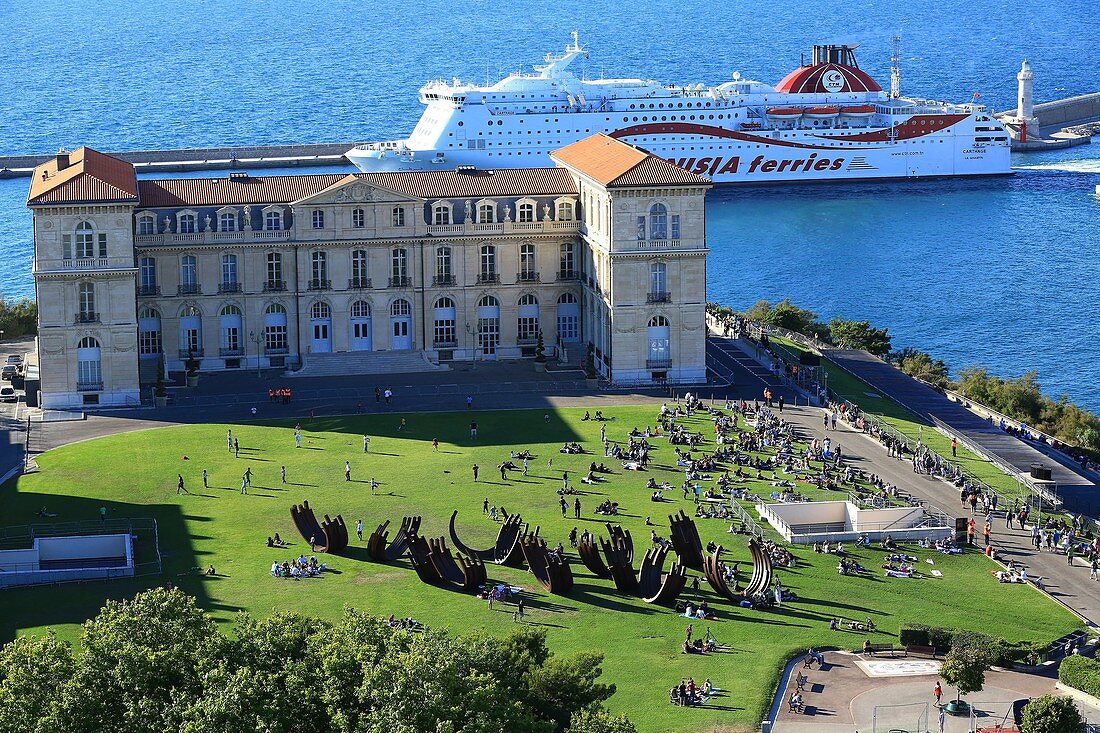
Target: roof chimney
(62, 159)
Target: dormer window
(525, 212)
(441, 214)
(273, 220)
(187, 222)
(486, 213)
(227, 221)
(146, 224)
(565, 211)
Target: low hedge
(1081, 673)
(1001, 653)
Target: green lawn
(135, 475)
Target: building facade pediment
(354, 191)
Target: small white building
(803, 523)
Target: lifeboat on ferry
(821, 113)
(858, 112)
(783, 113)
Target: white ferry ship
(827, 120)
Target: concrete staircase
(365, 362)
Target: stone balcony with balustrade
(194, 238)
(505, 227)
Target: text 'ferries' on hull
(828, 120)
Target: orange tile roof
(612, 162)
(431, 184)
(90, 176)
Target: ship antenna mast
(895, 69)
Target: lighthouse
(1026, 83)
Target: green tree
(596, 720)
(31, 670)
(859, 335)
(921, 365)
(18, 317)
(964, 669)
(562, 685)
(1052, 714)
(785, 314)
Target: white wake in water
(1083, 165)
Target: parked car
(15, 359)
(7, 394)
(9, 371)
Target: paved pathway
(1075, 488)
(840, 698)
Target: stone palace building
(134, 277)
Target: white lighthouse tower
(1025, 109)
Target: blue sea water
(997, 272)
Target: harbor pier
(1062, 123)
(201, 159)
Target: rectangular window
(149, 342)
(274, 268)
(641, 228)
(318, 219)
(398, 216)
(188, 274)
(231, 338)
(445, 331)
(319, 267)
(102, 244)
(443, 264)
(148, 272)
(275, 338)
(67, 246)
(358, 218)
(192, 341)
(400, 264)
(87, 372)
(674, 226)
(528, 328)
(274, 220)
(84, 245)
(359, 266)
(229, 269)
(442, 215)
(145, 226)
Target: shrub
(914, 635)
(1051, 714)
(1081, 673)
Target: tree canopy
(964, 669)
(158, 662)
(1052, 714)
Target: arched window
(658, 282)
(318, 278)
(486, 213)
(527, 269)
(85, 240)
(149, 339)
(659, 355)
(569, 312)
(399, 267)
(275, 330)
(88, 370)
(273, 220)
(658, 222)
(488, 272)
(360, 309)
(359, 275)
(528, 319)
(358, 218)
(187, 224)
(525, 211)
(190, 332)
(231, 324)
(445, 330)
(227, 221)
(488, 301)
(565, 211)
(400, 307)
(444, 275)
(86, 299)
(320, 310)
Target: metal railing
(652, 364)
(188, 353)
(402, 281)
(359, 283)
(86, 317)
(744, 516)
(443, 280)
(230, 351)
(144, 291)
(564, 275)
(189, 289)
(488, 277)
(528, 276)
(274, 286)
(89, 386)
(320, 284)
(659, 296)
(229, 287)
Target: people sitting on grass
(522, 455)
(593, 468)
(693, 647)
(276, 541)
(608, 508)
(572, 448)
(592, 478)
(408, 623)
(298, 568)
(849, 567)
(567, 491)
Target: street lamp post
(473, 342)
(256, 339)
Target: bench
(928, 651)
(874, 649)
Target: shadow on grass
(74, 603)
